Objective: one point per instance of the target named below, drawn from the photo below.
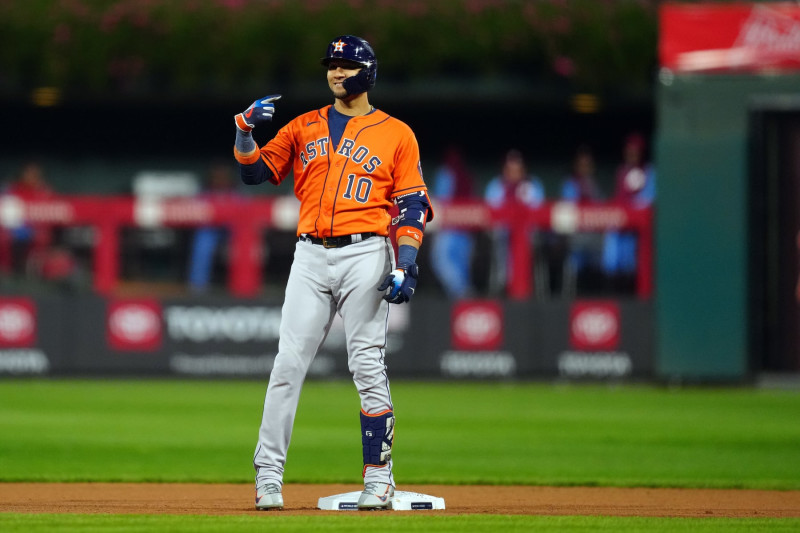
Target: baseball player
(351, 164)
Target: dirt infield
(230, 499)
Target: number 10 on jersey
(358, 189)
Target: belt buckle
(325, 243)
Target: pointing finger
(270, 98)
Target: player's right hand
(259, 112)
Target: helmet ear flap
(361, 82)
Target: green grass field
(451, 433)
(348, 522)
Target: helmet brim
(325, 61)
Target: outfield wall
(702, 234)
(225, 337)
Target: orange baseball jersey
(348, 188)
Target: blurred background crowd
(511, 101)
(464, 262)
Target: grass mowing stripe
(451, 433)
(34, 523)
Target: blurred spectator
(580, 185)
(513, 187)
(452, 249)
(207, 241)
(583, 250)
(29, 249)
(634, 187)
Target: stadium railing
(248, 219)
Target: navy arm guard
(414, 210)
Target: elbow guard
(414, 213)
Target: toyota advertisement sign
(134, 325)
(429, 338)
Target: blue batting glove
(401, 283)
(259, 112)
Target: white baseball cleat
(268, 496)
(376, 496)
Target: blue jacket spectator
(452, 249)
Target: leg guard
(377, 435)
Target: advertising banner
(607, 339)
(489, 339)
(114, 336)
(730, 37)
(228, 337)
(31, 335)
(134, 325)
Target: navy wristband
(406, 255)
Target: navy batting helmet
(359, 51)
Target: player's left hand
(259, 112)
(401, 282)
